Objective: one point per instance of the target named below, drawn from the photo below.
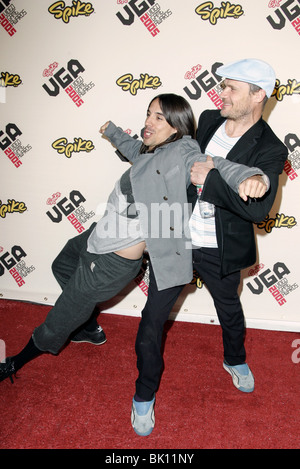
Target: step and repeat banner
(69, 66)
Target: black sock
(29, 352)
(92, 324)
(139, 399)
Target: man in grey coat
(96, 265)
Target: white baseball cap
(254, 71)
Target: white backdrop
(68, 67)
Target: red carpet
(81, 399)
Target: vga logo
(4, 4)
(288, 10)
(139, 10)
(62, 79)
(68, 80)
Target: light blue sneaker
(242, 376)
(142, 417)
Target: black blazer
(258, 147)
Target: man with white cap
(224, 244)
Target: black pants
(86, 279)
(159, 305)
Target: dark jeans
(86, 279)
(159, 305)
(65, 264)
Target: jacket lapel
(215, 123)
(246, 142)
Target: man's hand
(200, 170)
(253, 187)
(103, 127)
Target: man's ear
(260, 95)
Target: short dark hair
(255, 89)
(179, 115)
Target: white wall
(41, 40)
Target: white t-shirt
(203, 230)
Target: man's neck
(238, 127)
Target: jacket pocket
(171, 173)
(238, 228)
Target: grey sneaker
(242, 376)
(142, 417)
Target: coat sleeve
(217, 191)
(234, 173)
(189, 153)
(127, 145)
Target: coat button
(165, 197)
(158, 172)
(178, 253)
(171, 228)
